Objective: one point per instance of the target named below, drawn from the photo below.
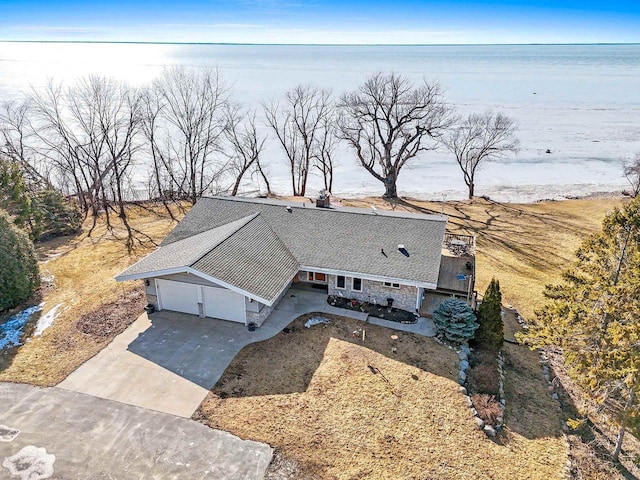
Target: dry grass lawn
(83, 270)
(313, 394)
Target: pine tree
(18, 266)
(490, 334)
(54, 215)
(594, 316)
(42, 212)
(13, 193)
(455, 320)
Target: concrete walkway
(424, 326)
(54, 433)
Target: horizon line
(275, 44)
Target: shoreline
(340, 199)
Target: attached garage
(200, 300)
(235, 272)
(223, 303)
(177, 296)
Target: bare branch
(631, 171)
(297, 123)
(387, 121)
(480, 139)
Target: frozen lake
(581, 102)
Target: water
(581, 102)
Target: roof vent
(403, 250)
(289, 209)
(323, 200)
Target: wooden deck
(451, 267)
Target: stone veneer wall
(259, 317)
(152, 299)
(374, 291)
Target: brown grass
(83, 269)
(488, 407)
(315, 396)
(338, 407)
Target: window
(392, 285)
(356, 284)
(316, 277)
(341, 282)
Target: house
(234, 258)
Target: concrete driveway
(55, 433)
(170, 361)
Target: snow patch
(31, 463)
(46, 320)
(11, 330)
(316, 321)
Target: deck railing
(459, 244)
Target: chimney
(323, 200)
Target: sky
(324, 22)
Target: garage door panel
(224, 304)
(178, 296)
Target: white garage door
(178, 296)
(224, 304)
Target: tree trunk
(619, 439)
(630, 403)
(471, 190)
(390, 189)
(264, 177)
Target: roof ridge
(382, 212)
(286, 247)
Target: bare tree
(632, 172)
(245, 145)
(297, 124)
(185, 132)
(387, 122)
(481, 138)
(17, 142)
(119, 112)
(159, 183)
(68, 131)
(326, 143)
(90, 134)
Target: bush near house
(490, 334)
(19, 275)
(455, 320)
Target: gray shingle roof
(253, 259)
(186, 251)
(245, 253)
(341, 239)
